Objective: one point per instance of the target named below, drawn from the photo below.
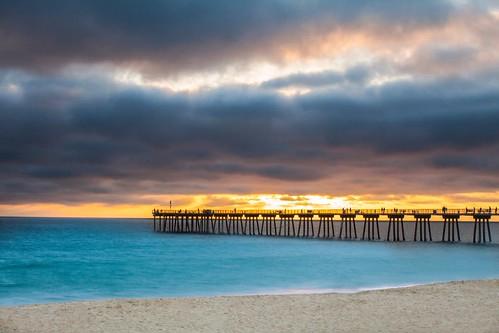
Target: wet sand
(471, 306)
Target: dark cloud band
(404, 118)
(96, 143)
(175, 35)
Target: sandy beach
(471, 306)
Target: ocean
(66, 259)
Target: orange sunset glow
(256, 201)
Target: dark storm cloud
(101, 144)
(408, 117)
(483, 161)
(174, 35)
(70, 133)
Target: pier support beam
(274, 224)
(422, 223)
(371, 221)
(482, 221)
(269, 226)
(236, 224)
(347, 222)
(396, 227)
(287, 225)
(226, 227)
(203, 223)
(326, 225)
(306, 222)
(451, 225)
(164, 227)
(253, 225)
(211, 223)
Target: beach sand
(471, 306)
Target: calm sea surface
(51, 260)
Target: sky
(112, 108)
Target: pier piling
(347, 224)
(482, 220)
(422, 221)
(326, 225)
(451, 225)
(370, 221)
(396, 226)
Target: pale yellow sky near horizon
(251, 201)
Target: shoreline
(277, 292)
(459, 306)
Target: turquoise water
(47, 260)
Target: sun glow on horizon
(277, 201)
(251, 201)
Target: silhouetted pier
(321, 223)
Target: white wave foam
(307, 291)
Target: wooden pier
(321, 223)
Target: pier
(329, 224)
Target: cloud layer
(362, 99)
(178, 35)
